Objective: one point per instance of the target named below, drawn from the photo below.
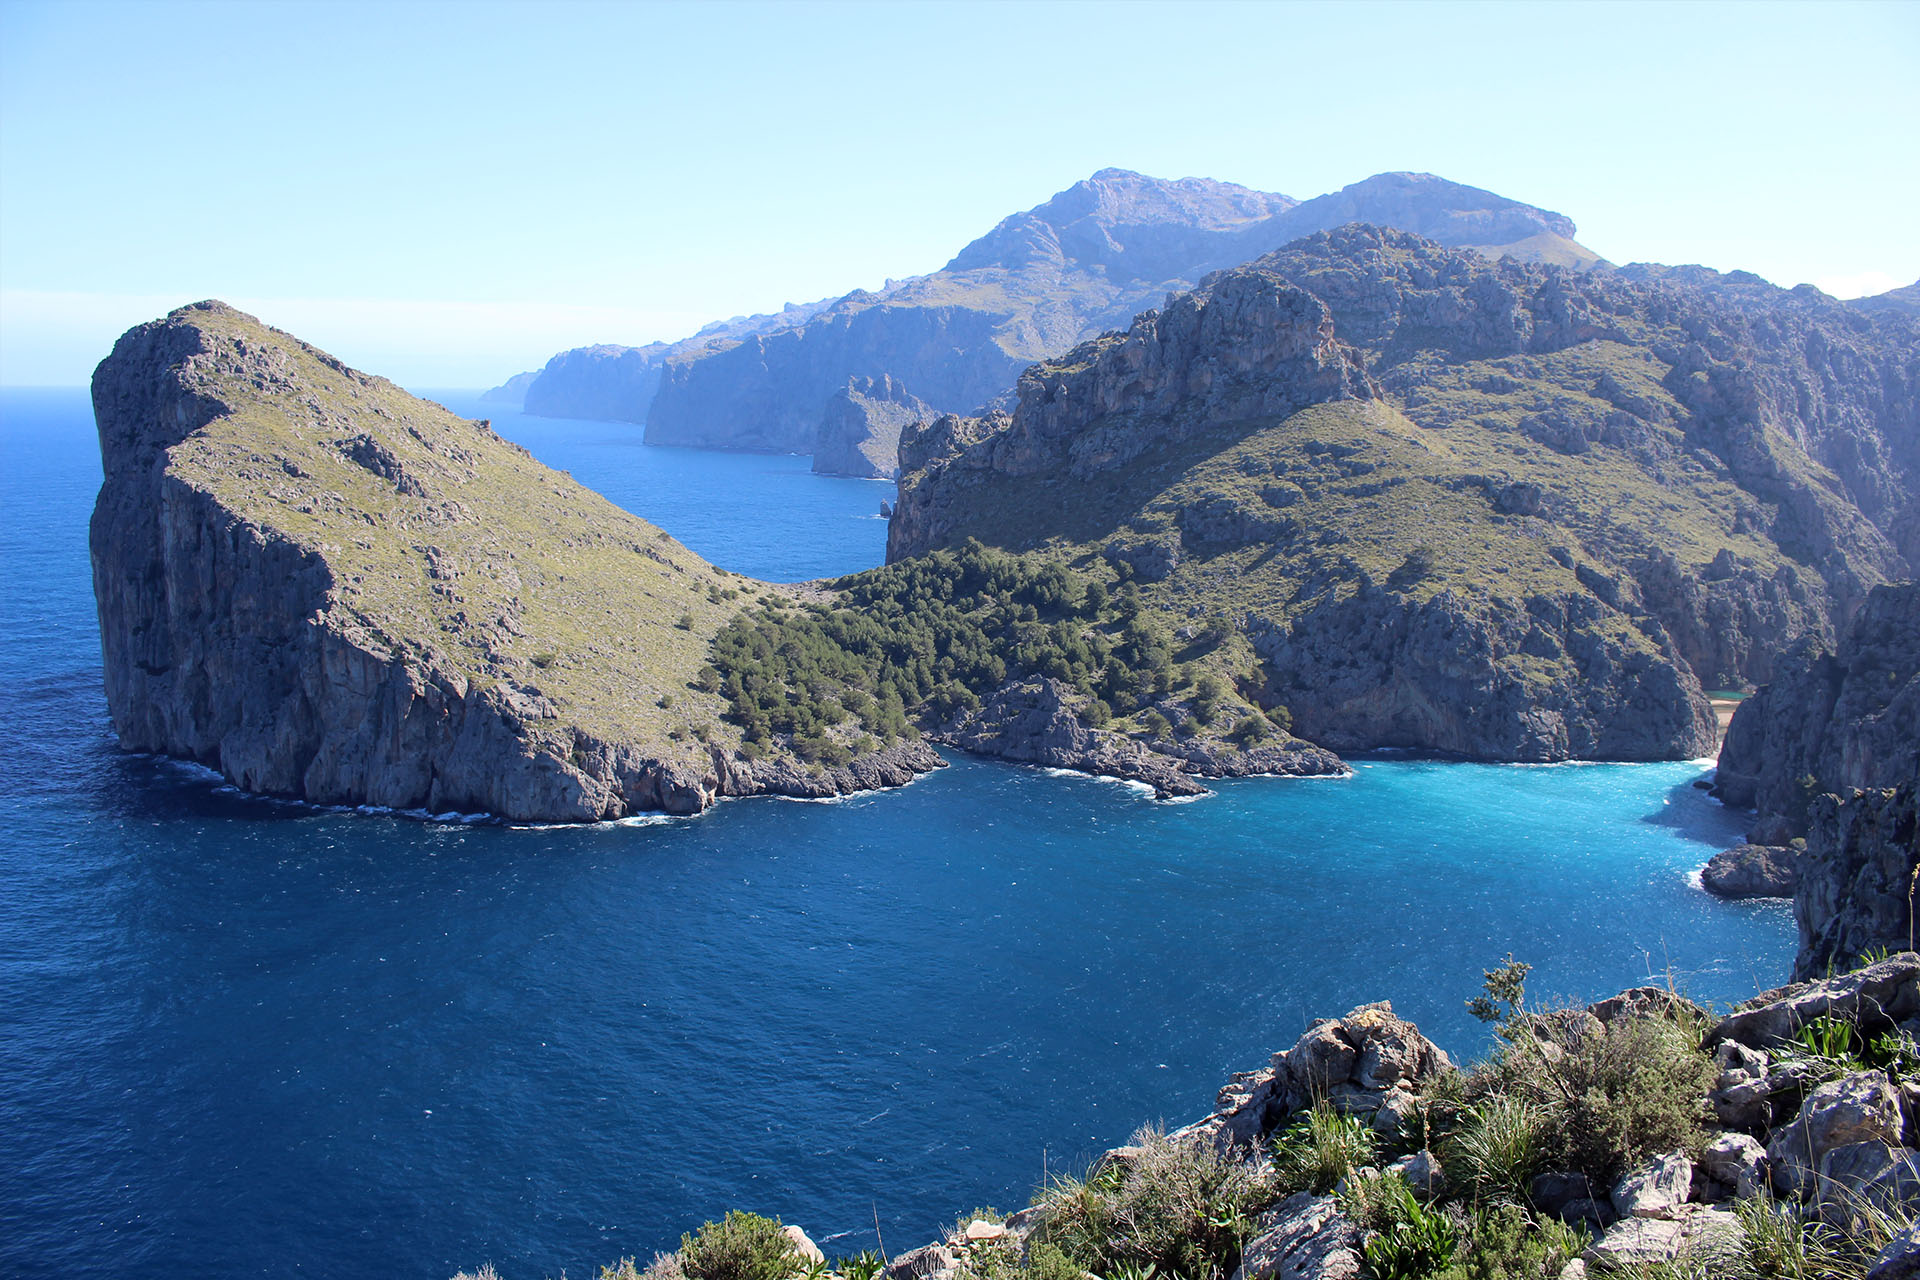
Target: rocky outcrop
(1831, 721)
(1752, 871)
(1876, 998)
(1038, 722)
(601, 383)
(859, 434)
(513, 391)
(1304, 1237)
(330, 591)
(1377, 669)
(1368, 1063)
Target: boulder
(1900, 1260)
(1644, 1002)
(1551, 1192)
(1875, 998)
(1422, 1172)
(1862, 1107)
(803, 1244)
(1752, 871)
(1656, 1189)
(1698, 1233)
(1738, 1161)
(1304, 1237)
(928, 1262)
(1865, 1177)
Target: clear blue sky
(447, 193)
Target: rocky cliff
(859, 433)
(329, 590)
(1830, 721)
(1509, 510)
(1082, 262)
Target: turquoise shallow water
(240, 1038)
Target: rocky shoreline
(1790, 1122)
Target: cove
(241, 1038)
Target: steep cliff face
(1523, 515)
(1859, 884)
(1831, 721)
(859, 433)
(603, 384)
(329, 590)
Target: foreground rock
(1304, 1237)
(1857, 888)
(331, 591)
(1752, 871)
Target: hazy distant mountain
(513, 391)
(1081, 263)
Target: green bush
(741, 1246)
(1502, 1242)
(1181, 1208)
(1320, 1148)
(1635, 1088)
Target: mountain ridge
(1087, 259)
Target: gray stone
(1548, 1192)
(1865, 1177)
(1699, 1233)
(928, 1262)
(1656, 1189)
(1862, 1107)
(1752, 871)
(1875, 998)
(803, 1243)
(1738, 1161)
(1304, 1237)
(1422, 1172)
(1900, 1260)
(1594, 1213)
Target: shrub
(1251, 729)
(1281, 717)
(1319, 1149)
(1155, 725)
(1634, 1088)
(1178, 1207)
(1500, 1145)
(1502, 1242)
(741, 1246)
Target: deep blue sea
(243, 1039)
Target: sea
(240, 1037)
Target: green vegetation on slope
(933, 636)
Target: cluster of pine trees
(928, 638)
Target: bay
(244, 1038)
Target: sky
(449, 193)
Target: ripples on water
(244, 1038)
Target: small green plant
(1504, 1242)
(741, 1246)
(865, 1265)
(684, 622)
(1420, 1241)
(1320, 1148)
(1499, 1147)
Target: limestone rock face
(1831, 721)
(1856, 893)
(859, 433)
(328, 590)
